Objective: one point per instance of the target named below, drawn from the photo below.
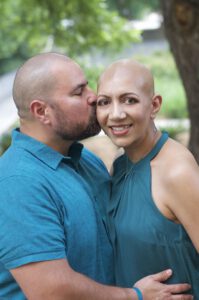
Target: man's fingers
(162, 276)
(172, 288)
(178, 288)
(182, 297)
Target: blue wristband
(138, 292)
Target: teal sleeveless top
(144, 241)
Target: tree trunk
(181, 21)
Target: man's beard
(76, 131)
(92, 129)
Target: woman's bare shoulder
(177, 159)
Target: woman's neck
(144, 146)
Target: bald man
(52, 235)
(154, 206)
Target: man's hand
(152, 288)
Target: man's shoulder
(9, 161)
(17, 162)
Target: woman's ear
(39, 111)
(156, 105)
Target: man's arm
(55, 280)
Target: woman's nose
(117, 112)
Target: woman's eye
(102, 102)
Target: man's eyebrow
(81, 85)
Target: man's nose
(92, 97)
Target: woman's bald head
(131, 70)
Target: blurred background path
(8, 112)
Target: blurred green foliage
(72, 27)
(92, 73)
(5, 141)
(174, 131)
(134, 9)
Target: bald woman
(154, 210)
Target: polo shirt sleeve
(31, 223)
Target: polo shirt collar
(45, 153)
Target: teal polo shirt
(50, 209)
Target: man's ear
(39, 110)
(156, 105)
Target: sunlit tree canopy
(74, 26)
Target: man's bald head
(36, 79)
(131, 70)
